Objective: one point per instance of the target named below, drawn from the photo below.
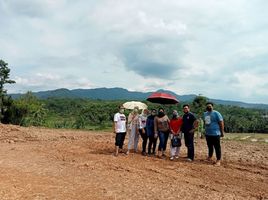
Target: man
(189, 124)
(214, 127)
(119, 129)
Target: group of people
(155, 125)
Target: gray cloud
(178, 45)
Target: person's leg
(117, 142)
(136, 140)
(131, 138)
(177, 152)
(144, 141)
(217, 146)
(165, 141)
(189, 142)
(122, 139)
(161, 143)
(210, 146)
(154, 144)
(151, 139)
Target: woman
(175, 130)
(150, 132)
(142, 130)
(133, 122)
(161, 126)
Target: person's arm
(155, 127)
(221, 124)
(195, 125)
(114, 126)
(115, 123)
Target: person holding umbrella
(133, 129)
(189, 124)
(161, 128)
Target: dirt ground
(38, 163)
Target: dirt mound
(39, 163)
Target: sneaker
(189, 160)
(177, 157)
(171, 158)
(218, 163)
(127, 152)
(209, 159)
(143, 153)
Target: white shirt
(142, 121)
(120, 122)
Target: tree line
(28, 110)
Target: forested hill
(120, 93)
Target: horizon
(214, 48)
(137, 91)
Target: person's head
(153, 112)
(145, 112)
(175, 114)
(121, 109)
(161, 112)
(186, 108)
(136, 110)
(209, 106)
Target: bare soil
(39, 163)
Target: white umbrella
(132, 104)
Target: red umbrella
(162, 98)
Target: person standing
(142, 130)
(161, 128)
(119, 127)
(214, 126)
(150, 132)
(189, 124)
(175, 131)
(133, 129)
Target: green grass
(251, 137)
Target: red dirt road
(37, 163)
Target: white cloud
(208, 47)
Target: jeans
(214, 142)
(144, 139)
(189, 143)
(163, 137)
(119, 139)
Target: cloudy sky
(215, 48)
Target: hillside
(120, 93)
(38, 163)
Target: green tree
(4, 79)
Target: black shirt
(188, 122)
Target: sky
(218, 49)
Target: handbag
(176, 141)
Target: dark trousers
(189, 143)
(214, 142)
(119, 139)
(163, 137)
(144, 139)
(152, 142)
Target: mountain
(121, 93)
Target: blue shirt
(212, 120)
